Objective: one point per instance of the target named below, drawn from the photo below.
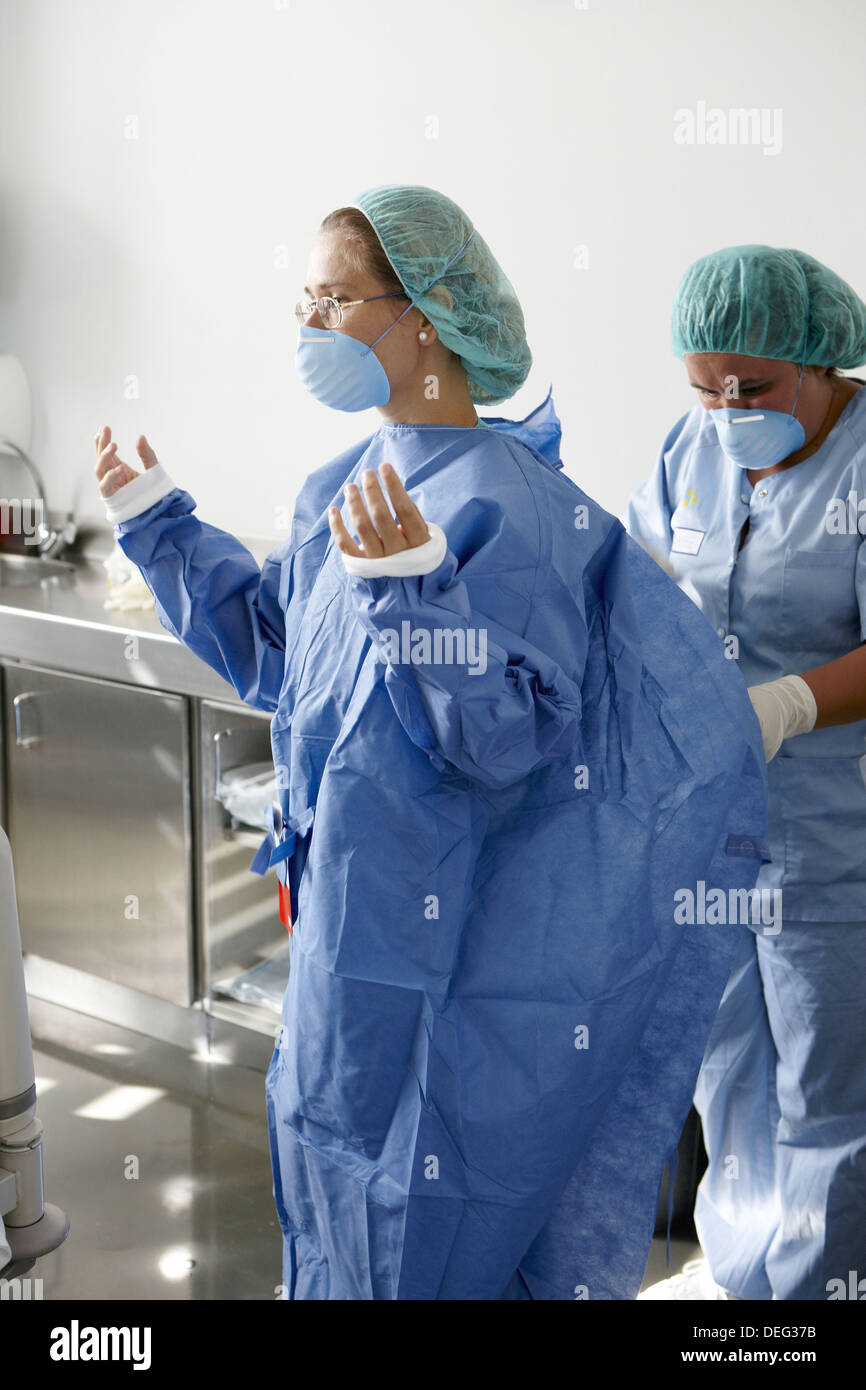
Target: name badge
(687, 541)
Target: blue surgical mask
(343, 372)
(340, 371)
(759, 438)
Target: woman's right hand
(111, 471)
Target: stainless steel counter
(64, 740)
(61, 621)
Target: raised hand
(377, 530)
(111, 471)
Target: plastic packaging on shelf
(247, 792)
(126, 587)
(265, 984)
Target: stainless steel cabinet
(99, 817)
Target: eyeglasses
(330, 310)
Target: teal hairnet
(765, 301)
(473, 306)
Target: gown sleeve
(210, 593)
(502, 705)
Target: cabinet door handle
(18, 701)
(218, 736)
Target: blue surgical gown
(493, 1022)
(793, 598)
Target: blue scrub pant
(781, 1210)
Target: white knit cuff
(419, 559)
(139, 494)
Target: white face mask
(341, 371)
(759, 438)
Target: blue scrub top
(794, 597)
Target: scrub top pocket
(819, 610)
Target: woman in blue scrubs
(758, 509)
(485, 705)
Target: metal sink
(22, 570)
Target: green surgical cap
(473, 305)
(763, 301)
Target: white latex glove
(784, 708)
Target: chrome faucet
(50, 542)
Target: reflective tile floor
(161, 1163)
(161, 1166)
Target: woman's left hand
(377, 530)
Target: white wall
(154, 257)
